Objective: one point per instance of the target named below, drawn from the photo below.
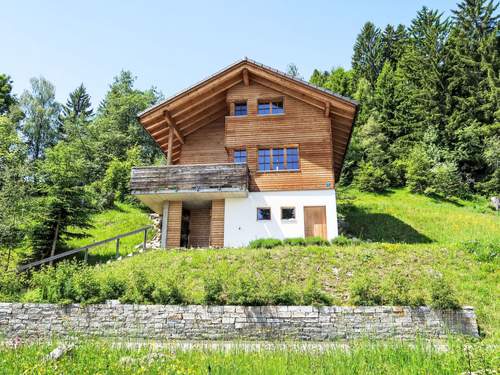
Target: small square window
(240, 156)
(263, 214)
(287, 213)
(240, 109)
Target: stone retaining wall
(232, 322)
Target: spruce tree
(368, 56)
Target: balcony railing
(203, 178)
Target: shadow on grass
(381, 227)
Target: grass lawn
(121, 219)
(98, 357)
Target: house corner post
(164, 226)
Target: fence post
(145, 238)
(117, 247)
(86, 255)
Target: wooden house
(250, 152)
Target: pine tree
(6, 97)
(368, 57)
(474, 86)
(394, 41)
(78, 105)
(319, 78)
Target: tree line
(428, 93)
(60, 163)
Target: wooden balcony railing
(228, 177)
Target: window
(270, 107)
(240, 156)
(264, 159)
(278, 159)
(287, 213)
(263, 214)
(240, 109)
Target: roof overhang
(205, 102)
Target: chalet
(250, 153)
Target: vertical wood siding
(174, 224)
(199, 227)
(217, 223)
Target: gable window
(263, 213)
(270, 107)
(240, 109)
(278, 159)
(240, 156)
(287, 213)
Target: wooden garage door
(315, 221)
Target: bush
(364, 291)
(443, 296)
(139, 289)
(398, 289)
(482, 251)
(266, 243)
(445, 181)
(341, 241)
(296, 241)
(213, 291)
(113, 288)
(418, 166)
(12, 285)
(168, 294)
(372, 179)
(316, 241)
(314, 295)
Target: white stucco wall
(240, 215)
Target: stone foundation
(233, 322)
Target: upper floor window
(240, 156)
(278, 159)
(240, 109)
(270, 107)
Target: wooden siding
(199, 227)
(174, 224)
(301, 124)
(217, 223)
(205, 145)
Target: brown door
(315, 221)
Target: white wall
(240, 215)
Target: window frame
(271, 156)
(270, 101)
(263, 208)
(294, 213)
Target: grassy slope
(414, 235)
(121, 219)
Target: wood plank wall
(199, 227)
(174, 224)
(206, 145)
(217, 223)
(302, 125)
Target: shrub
(445, 181)
(213, 289)
(296, 241)
(314, 295)
(341, 241)
(286, 296)
(316, 241)
(113, 288)
(139, 289)
(85, 288)
(364, 291)
(168, 294)
(397, 289)
(418, 166)
(443, 296)
(372, 179)
(482, 251)
(247, 291)
(11, 286)
(266, 243)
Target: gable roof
(205, 102)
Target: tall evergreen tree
(368, 57)
(394, 41)
(41, 127)
(6, 97)
(78, 105)
(319, 78)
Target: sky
(172, 45)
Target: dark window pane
(264, 108)
(292, 158)
(287, 213)
(240, 156)
(277, 107)
(263, 214)
(264, 159)
(240, 109)
(278, 159)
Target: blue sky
(172, 45)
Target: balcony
(154, 185)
